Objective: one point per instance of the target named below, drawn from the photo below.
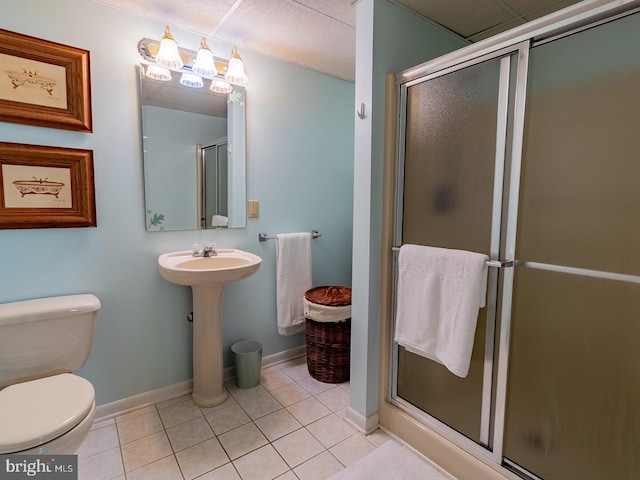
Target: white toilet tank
(45, 336)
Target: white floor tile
(201, 458)
(273, 378)
(189, 433)
(178, 440)
(225, 472)
(330, 430)
(319, 467)
(314, 386)
(227, 419)
(298, 447)
(179, 413)
(135, 413)
(244, 393)
(352, 449)
(290, 394)
(287, 476)
(308, 410)
(264, 463)
(102, 466)
(278, 424)
(103, 423)
(242, 440)
(230, 401)
(139, 426)
(146, 450)
(334, 399)
(260, 405)
(99, 440)
(297, 372)
(163, 469)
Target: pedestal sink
(207, 277)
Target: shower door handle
(500, 263)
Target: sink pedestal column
(208, 377)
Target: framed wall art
(44, 187)
(44, 83)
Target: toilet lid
(36, 412)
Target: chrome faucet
(210, 250)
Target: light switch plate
(254, 209)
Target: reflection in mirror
(194, 156)
(214, 174)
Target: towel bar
(490, 263)
(263, 237)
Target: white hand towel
(293, 279)
(439, 294)
(219, 221)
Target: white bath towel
(439, 294)
(293, 278)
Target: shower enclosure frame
(519, 42)
(502, 192)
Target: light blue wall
(300, 168)
(389, 40)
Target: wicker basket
(329, 342)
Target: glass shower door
(455, 138)
(215, 187)
(573, 394)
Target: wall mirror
(194, 152)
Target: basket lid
(333, 296)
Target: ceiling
(321, 34)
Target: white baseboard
(285, 356)
(363, 424)
(119, 407)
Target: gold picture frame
(46, 187)
(43, 83)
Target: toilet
(45, 409)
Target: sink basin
(207, 277)
(230, 265)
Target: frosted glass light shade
(235, 72)
(158, 73)
(204, 64)
(220, 86)
(191, 80)
(168, 55)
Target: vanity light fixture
(165, 56)
(168, 55)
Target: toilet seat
(36, 412)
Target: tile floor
(289, 427)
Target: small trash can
(247, 358)
(327, 311)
